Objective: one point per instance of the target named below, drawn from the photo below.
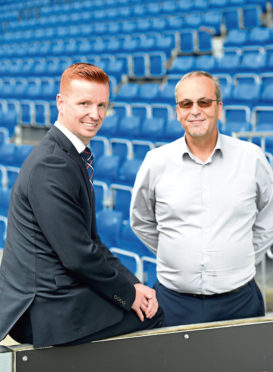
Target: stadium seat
(141, 147)
(181, 65)
(128, 171)
(129, 127)
(127, 92)
(262, 115)
(266, 95)
(128, 240)
(109, 126)
(4, 201)
(188, 41)
(100, 145)
(107, 167)
(3, 231)
(173, 130)
(205, 63)
(141, 109)
(253, 60)
(109, 224)
(252, 16)
(233, 18)
(204, 38)
(121, 198)
(149, 270)
(229, 62)
(148, 92)
(121, 147)
(130, 260)
(152, 129)
(157, 64)
(101, 191)
(246, 89)
(236, 38)
(12, 174)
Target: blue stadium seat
(246, 89)
(166, 93)
(140, 65)
(4, 201)
(206, 63)
(266, 96)
(3, 231)
(236, 38)
(109, 224)
(152, 129)
(262, 115)
(236, 114)
(188, 39)
(109, 126)
(204, 41)
(157, 64)
(149, 270)
(107, 168)
(181, 65)
(162, 111)
(193, 20)
(141, 147)
(128, 171)
(128, 240)
(148, 92)
(253, 60)
(127, 92)
(231, 127)
(129, 127)
(229, 62)
(141, 109)
(173, 130)
(101, 191)
(233, 18)
(121, 147)
(130, 260)
(166, 43)
(213, 20)
(252, 16)
(260, 36)
(12, 174)
(121, 198)
(100, 145)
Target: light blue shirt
(207, 222)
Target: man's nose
(94, 112)
(195, 108)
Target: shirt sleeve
(263, 226)
(142, 209)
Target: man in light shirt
(204, 205)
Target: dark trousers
(22, 332)
(130, 323)
(184, 308)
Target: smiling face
(82, 107)
(198, 122)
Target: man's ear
(59, 102)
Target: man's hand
(145, 302)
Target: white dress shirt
(207, 222)
(79, 145)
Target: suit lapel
(71, 151)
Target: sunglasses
(202, 103)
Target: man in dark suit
(59, 284)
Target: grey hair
(218, 91)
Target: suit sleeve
(54, 191)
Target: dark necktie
(87, 157)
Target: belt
(236, 290)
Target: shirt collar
(186, 151)
(78, 144)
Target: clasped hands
(145, 303)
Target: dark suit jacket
(54, 265)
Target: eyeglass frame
(209, 101)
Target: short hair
(85, 71)
(215, 80)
